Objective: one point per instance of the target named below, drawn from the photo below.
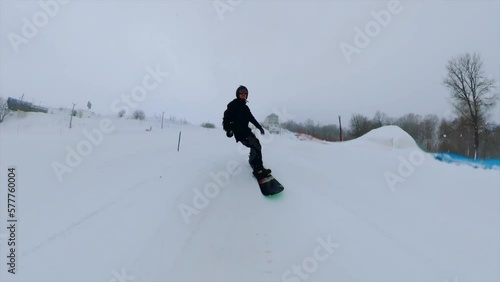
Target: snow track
(119, 214)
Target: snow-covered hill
(110, 201)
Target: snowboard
(269, 185)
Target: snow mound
(390, 136)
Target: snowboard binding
(261, 173)
(268, 184)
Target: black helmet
(241, 89)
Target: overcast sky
(288, 53)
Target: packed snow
(109, 200)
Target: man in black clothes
(235, 122)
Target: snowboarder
(235, 122)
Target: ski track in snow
(332, 190)
(67, 230)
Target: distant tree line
(431, 133)
(471, 94)
(208, 125)
(324, 132)
(437, 135)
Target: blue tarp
(457, 159)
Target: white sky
(286, 52)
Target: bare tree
(121, 113)
(430, 133)
(411, 124)
(359, 125)
(470, 92)
(380, 119)
(139, 114)
(4, 108)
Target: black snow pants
(255, 158)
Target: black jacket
(236, 119)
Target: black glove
(261, 130)
(229, 134)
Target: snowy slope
(134, 209)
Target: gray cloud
(286, 52)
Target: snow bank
(390, 136)
(57, 122)
(117, 215)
